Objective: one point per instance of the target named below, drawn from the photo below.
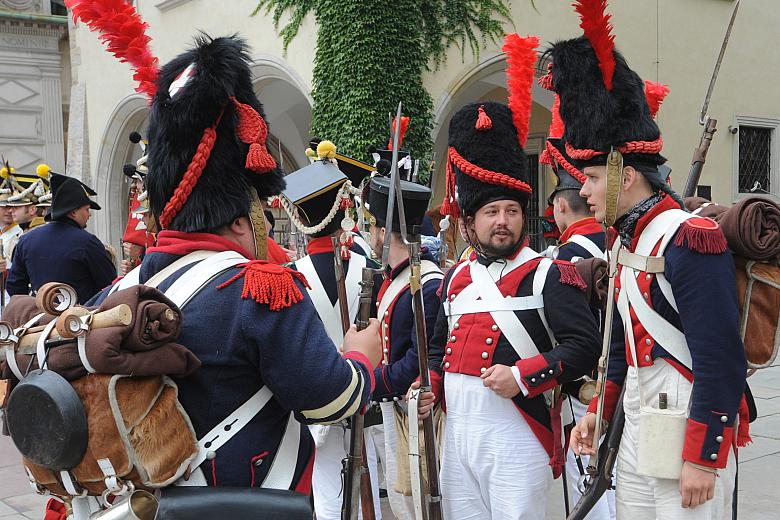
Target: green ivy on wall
(372, 54)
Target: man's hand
(366, 341)
(132, 251)
(425, 402)
(3, 265)
(696, 485)
(581, 438)
(500, 379)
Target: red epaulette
(703, 235)
(570, 275)
(271, 284)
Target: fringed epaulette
(569, 275)
(703, 235)
(271, 284)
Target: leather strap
(10, 353)
(133, 277)
(282, 471)
(428, 269)
(540, 277)
(644, 264)
(517, 303)
(40, 346)
(185, 287)
(590, 246)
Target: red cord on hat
(253, 131)
(191, 176)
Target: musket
(444, 225)
(357, 491)
(427, 503)
(2, 278)
(709, 124)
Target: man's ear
(240, 226)
(560, 202)
(629, 177)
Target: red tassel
(253, 131)
(449, 205)
(702, 235)
(743, 430)
(569, 275)
(484, 123)
(259, 160)
(345, 203)
(655, 93)
(269, 284)
(558, 459)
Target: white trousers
(332, 445)
(493, 466)
(646, 498)
(401, 505)
(605, 507)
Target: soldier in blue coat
(675, 342)
(319, 199)
(62, 250)
(252, 324)
(400, 364)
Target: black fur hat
(485, 137)
(595, 117)
(205, 87)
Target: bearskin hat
(493, 149)
(602, 101)
(208, 135)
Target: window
(755, 159)
(756, 156)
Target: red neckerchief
(666, 204)
(585, 226)
(319, 245)
(180, 243)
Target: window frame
(772, 124)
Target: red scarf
(585, 226)
(181, 243)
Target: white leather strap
(330, 315)
(511, 326)
(589, 246)
(133, 277)
(414, 455)
(231, 425)
(517, 303)
(644, 264)
(352, 281)
(70, 487)
(282, 471)
(10, 353)
(40, 346)
(188, 285)
(81, 343)
(428, 270)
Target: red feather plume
(123, 31)
(521, 61)
(596, 25)
(655, 94)
(401, 133)
(556, 125)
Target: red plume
(124, 32)
(521, 61)
(596, 25)
(655, 94)
(556, 125)
(404, 126)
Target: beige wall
(672, 41)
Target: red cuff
(361, 358)
(538, 374)
(611, 396)
(708, 444)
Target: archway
(131, 114)
(486, 81)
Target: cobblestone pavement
(758, 466)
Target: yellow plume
(326, 150)
(43, 171)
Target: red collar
(666, 204)
(585, 226)
(180, 243)
(319, 245)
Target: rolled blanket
(145, 347)
(704, 208)
(752, 229)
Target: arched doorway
(131, 114)
(287, 104)
(486, 81)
